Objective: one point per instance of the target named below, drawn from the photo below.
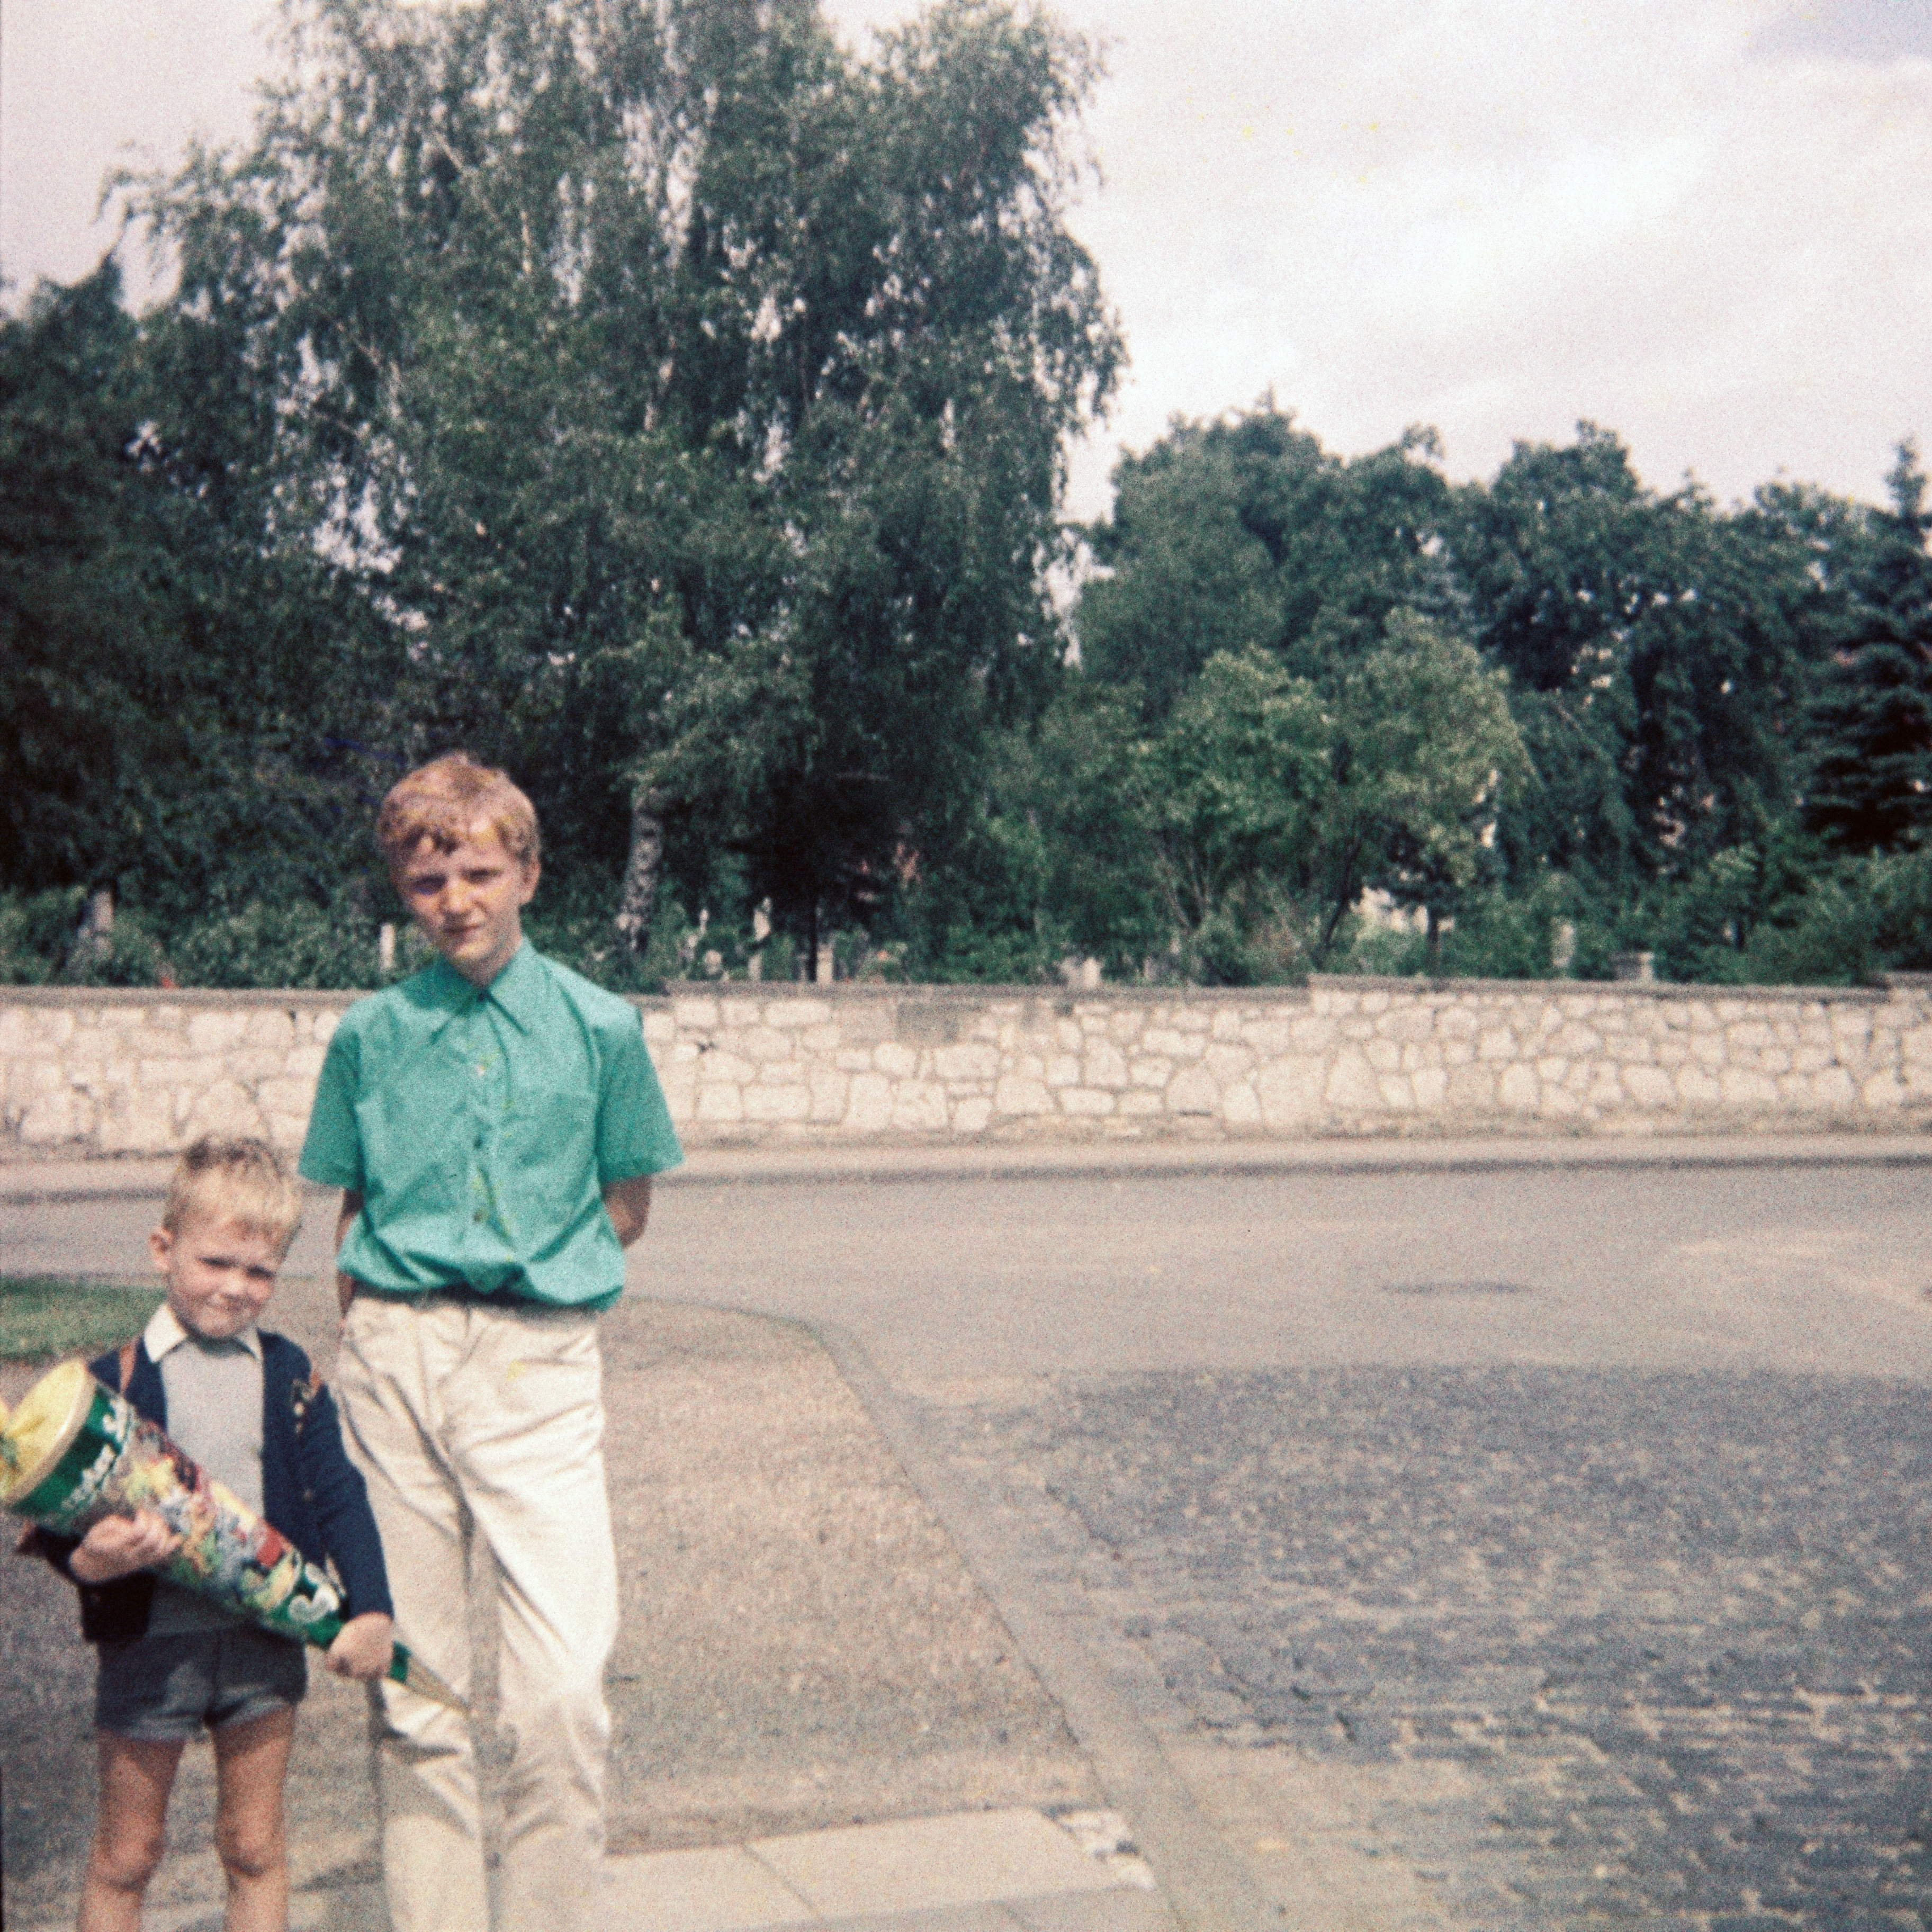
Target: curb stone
(34, 1183)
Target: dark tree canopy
(1245, 532)
(1869, 785)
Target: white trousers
(459, 1414)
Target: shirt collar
(166, 1332)
(513, 991)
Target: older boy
(240, 1401)
(494, 1123)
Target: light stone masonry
(87, 1072)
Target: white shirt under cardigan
(213, 1391)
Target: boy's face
(221, 1272)
(470, 900)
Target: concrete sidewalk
(1014, 1870)
(24, 1182)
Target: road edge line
(1202, 1880)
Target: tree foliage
(1245, 532)
(169, 679)
(674, 407)
(1869, 787)
(690, 397)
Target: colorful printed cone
(73, 1451)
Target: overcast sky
(1706, 224)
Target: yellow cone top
(33, 1434)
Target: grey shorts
(162, 1689)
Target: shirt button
(479, 1217)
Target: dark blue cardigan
(311, 1491)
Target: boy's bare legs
(135, 1778)
(251, 1765)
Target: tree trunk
(638, 900)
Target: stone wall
(86, 1072)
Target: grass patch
(45, 1316)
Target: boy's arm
(341, 1500)
(332, 1153)
(628, 1204)
(635, 1139)
(363, 1646)
(345, 1219)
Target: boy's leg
(530, 1450)
(251, 1765)
(129, 1833)
(394, 1364)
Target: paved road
(1483, 1551)
(1493, 1551)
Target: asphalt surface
(1472, 1549)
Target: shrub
(41, 944)
(299, 945)
(36, 931)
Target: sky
(1705, 225)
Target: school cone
(72, 1451)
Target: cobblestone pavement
(1558, 1647)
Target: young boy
(493, 1123)
(239, 1400)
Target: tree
(167, 681)
(1241, 789)
(89, 679)
(1654, 648)
(924, 466)
(1869, 785)
(1433, 754)
(660, 367)
(1262, 809)
(1243, 532)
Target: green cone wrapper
(73, 1451)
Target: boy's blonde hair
(236, 1180)
(445, 802)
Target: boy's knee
(250, 1850)
(126, 1861)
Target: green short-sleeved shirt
(480, 1128)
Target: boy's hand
(362, 1647)
(118, 1546)
(628, 1204)
(346, 1218)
